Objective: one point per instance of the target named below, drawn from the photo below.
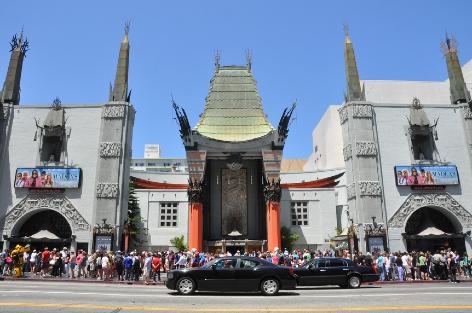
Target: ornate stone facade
(467, 113)
(113, 111)
(440, 200)
(347, 152)
(370, 188)
(110, 149)
(272, 191)
(362, 111)
(366, 148)
(343, 115)
(5, 113)
(195, 190)
(351, 191)
(58, 203)
(107, 190)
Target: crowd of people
(147, 266)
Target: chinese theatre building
(64, 169)
(234, 196)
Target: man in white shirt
(106, 267)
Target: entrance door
(233, 201)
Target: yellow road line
(141, 308)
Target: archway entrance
(429, 229)
(44, 229)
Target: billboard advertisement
(47, 177)
(423, 175)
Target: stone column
(272, 194)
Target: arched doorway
(431, 229)
(44, 229)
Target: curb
(417, 282)
(93, 281)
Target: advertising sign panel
(47, 178)
(424, 175)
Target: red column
(195, 226)
(273, 225)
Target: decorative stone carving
(366, 148)
(362, 111)
(58, 203)
(440, 200)
(195, 190)
(351, 190)
(110, 149)
(370, 188)
(5, 113)
(113, 111)
(107, 190)
(272, 191)
(343, 116)
(347, 152)
(467, 113)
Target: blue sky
(297, 48)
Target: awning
(44, 234)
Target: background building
(152, 151)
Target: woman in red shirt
(156, 266)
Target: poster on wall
(376, 244)
(47, 177)
(103, 242)
(424, 175)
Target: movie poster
(47, 177)
(420, 175)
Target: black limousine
(233, 274)
(334, 271)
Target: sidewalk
(394, 282)
(30, 277)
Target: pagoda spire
(457, 86)
(11, 87)
(354, 91)
(120, 88)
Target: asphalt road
(49, 296)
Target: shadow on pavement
(248, 294)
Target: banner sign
(424, 175)
(103, 242)
(376, 244)
(47, 178)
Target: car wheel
(270, 287)
(185, 286)
(354, 281)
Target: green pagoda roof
(233, 109)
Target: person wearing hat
(32, 261)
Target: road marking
(183, 309)
(248, 296)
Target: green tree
(179, 243)
(134, 222)
(288, 238)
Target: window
(299, 213)
(336, 263)
(319, 263)
(168, 214)
(226, 264)
(247, 264)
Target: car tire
(354, 281)
(270, 287)
(185, 286)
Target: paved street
(32, 296)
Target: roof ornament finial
(217, 60)
(127, 25)
(449, 44)
(249, 59)
(19, 43)
(56, 104)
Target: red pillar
(273, 225)
(195, 226)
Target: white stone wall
(321, 214)
(149, 204)
(82, 149)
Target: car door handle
(345, 269)
(322, 270)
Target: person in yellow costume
(17, 256)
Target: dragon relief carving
(441, 200)
(351, 190)
(41, 202)
(195, 190)
(366, 148)
(107, 190)
(110, 149)
(347, 152)
(343, 115)
(362, 111)
(467, 113)
(370, 188)
(272, 191)
(113, 111)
